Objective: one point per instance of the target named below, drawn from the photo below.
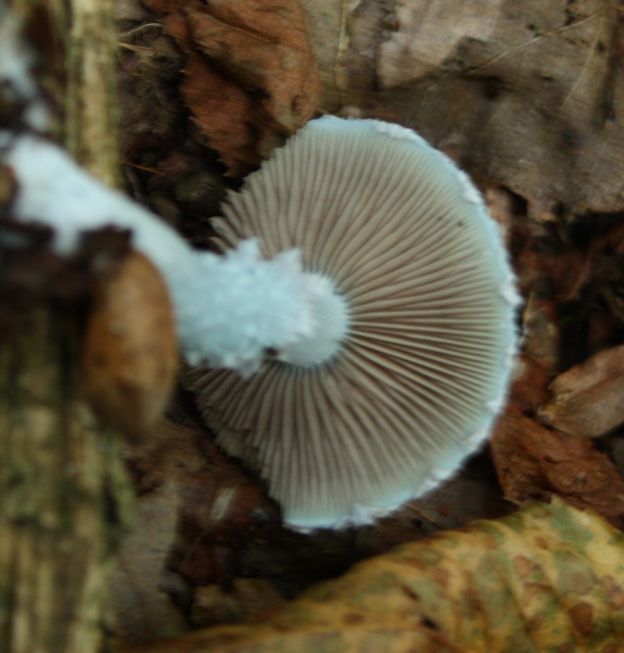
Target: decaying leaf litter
(528, 100)
(547, 578)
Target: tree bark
(91, 110)
(75, 47)
(63, 489)
(60, 483)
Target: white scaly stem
(229, 308)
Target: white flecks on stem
(229, 308)
(331, 326)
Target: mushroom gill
(421, 363)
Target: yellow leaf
(547, 578)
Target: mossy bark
(60, 483)
(91, 108)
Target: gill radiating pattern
(386, 217)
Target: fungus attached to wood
(410, 355)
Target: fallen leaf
(221, 110)
(541, 328)
(534, 462)
(587, 399)
(140, 609)
(529, 385)
(219, 508)
(547, 578)
(250, 76)
(130, 357)
(526, 94)
(247, 597)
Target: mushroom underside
(422, 370)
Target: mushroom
(412, 352)
(394, 344)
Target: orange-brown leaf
(587, 399)
(534, 462)
(250, 78)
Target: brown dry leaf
(541, 327)
(149, 71)
(538, 363)
(140, 608)
(247, 597)
(529, 386)
(587, 399)
(219, 509)
(196, 510)
(526, 95)
(250, 77)
(535, 462)
(130, 357)
(171, 451)
(547, 578)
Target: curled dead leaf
(140, 609)
(543, 579)
(247, 597)
(250, 79)
(526, 94)
(587, 399)
(130, 354)
(219, 509)
(534, 462)
(529, 388)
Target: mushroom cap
(414, 387)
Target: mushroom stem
(330, 315)
(229, 308)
